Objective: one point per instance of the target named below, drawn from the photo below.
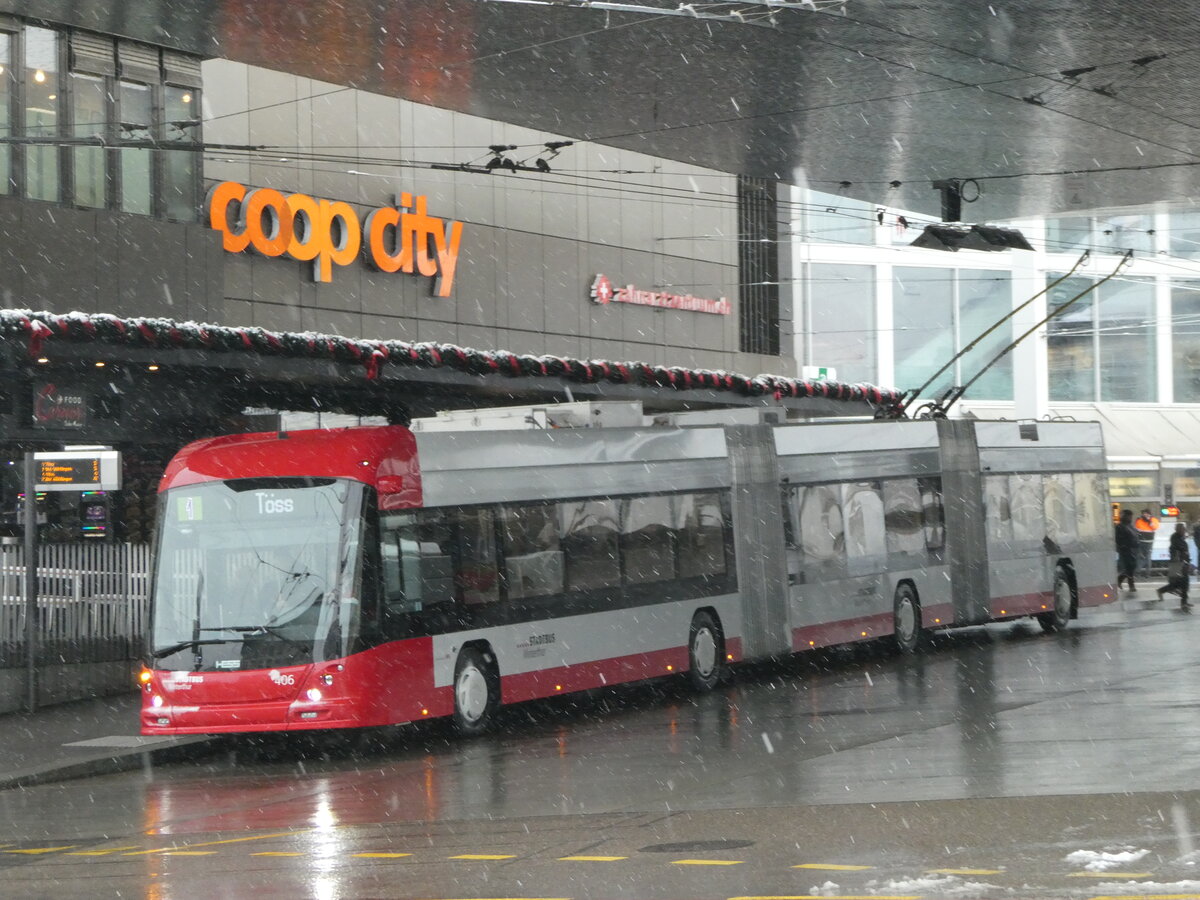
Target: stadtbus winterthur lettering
(400, 238)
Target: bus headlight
(326, 679)
(314, 695)
(156, 701)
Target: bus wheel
(476, 691)
(906, 614)
(1058, 618)
(706, 652)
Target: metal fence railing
(92, 603)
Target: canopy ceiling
(1050, 105)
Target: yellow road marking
(101, 852)
(42, 850)
(964, 871)
(379, 855)
(483, 856)
(832, 867)
(707, 862)
(261, 837)
(1110, 875)
(591, 858)
(277, 853)
(190, 853)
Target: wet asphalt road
(973, 770)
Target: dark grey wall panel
(61, 259)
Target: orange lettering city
(327, 233)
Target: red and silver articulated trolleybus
(381, 575)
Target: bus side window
(700, 535)
(903, 516)
(932, 513)
(477, 576)
(533, 556)
(647, 542)
(997, 510)
(590, 544)
(415, 560)
(1027, 503)
(1091, 505)
(790, 498)
(822, 530)
(864, 521)
(1060, 507)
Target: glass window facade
(1183, 236)
(832, 219)
(1185, 340)
(7, 95)
(1102, 347)
(923, 318)
(89, 117)
(937, 313)
(1071, 341)
(984, 298)
(1113, 232)
(180, 176)
(841, 308)
(136, 105)
(68, 123)
(1125, 326)
(41, 119)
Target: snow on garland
(38, 328)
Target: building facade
(1122, 348)
(139, 180)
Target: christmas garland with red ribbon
(39, 328)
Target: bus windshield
(257, 573)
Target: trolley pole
(30, 582)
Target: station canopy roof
(312, 371)
(1047, 105)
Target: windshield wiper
(256, 629)
(194, 642)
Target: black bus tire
(1060, 615)
(476, 691)
(706, 652)
(906, 620)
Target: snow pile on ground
(1100, 861)
(1148, 888)
(935, 885)
(828, 889)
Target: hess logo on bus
(270, 505)
(399, 238)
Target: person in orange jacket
(1145, 525)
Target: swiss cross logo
(602, 289)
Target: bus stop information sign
(98, 470)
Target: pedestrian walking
(1127, 549)
(1177, 567)
(1146, 524)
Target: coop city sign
(398, 238)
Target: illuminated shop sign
(59, 406)
(603, 292)
(399, 238)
